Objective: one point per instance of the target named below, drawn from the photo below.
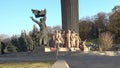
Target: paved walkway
(71, 60)
(60, 64)
(92, 61)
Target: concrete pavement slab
(60, 64)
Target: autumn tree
(57, 27)
(114, 25)
(106, 41)
(85, 28)
(100, 21)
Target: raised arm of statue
(45, 11)
(44, 18)
(34, 20)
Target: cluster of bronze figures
(68, 39)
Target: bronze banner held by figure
(39, 13)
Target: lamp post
(57, 51)
(99, 30)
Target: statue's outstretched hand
(31, 17)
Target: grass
(42, 64)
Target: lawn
(42, 64)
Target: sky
(15, 14)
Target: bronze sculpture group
(67, 39)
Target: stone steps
(61, 49)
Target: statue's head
(69, 31)
(63, 31)
(76, 34)
(56, 31)
(73, 31)
(41, 19)
(59, 31)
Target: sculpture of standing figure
(68, 34)
(77, 40)
(85, 47)
(63, 38)
(42, 34)
(72, 37)
(55, 38)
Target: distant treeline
(92, 27)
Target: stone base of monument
(61, 49)
(51, 49)
(72, 49)
(75, 49)
(47, 49)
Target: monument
(70, 16)
(68, 39)
(70, 24)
